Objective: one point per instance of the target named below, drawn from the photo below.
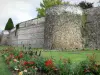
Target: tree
(9, 24)
(85, 5)
(47, 4)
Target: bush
(20, 61)
(88, 67)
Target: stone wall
(92, 28)
(4, 37)
(31, 32)
(13, 38)
(63, 28)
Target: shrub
(21, 62)
(88, 67)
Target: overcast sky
(22, 10)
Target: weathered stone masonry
(92, 28)
(62, 28)
(31, 32)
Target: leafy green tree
(85, 5)
(47, 4)
(9, 24)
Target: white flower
(16, 69)
(15, 60)
(36, 68)
(25, 70)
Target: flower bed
(29, 63)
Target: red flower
(25, 63)
(31, 63)
(49, 63)
(21, 55)
(28, 64)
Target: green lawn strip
(3, 68)
(75, 57)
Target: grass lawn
(3, 67)
(75, 57)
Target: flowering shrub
(64, 67)
(28, 63)
(88, 67)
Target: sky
(22, 10)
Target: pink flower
(15, 60)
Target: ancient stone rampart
(12, 38)
(64, 27)
(92, 28)
(31, 33)
(4, 37)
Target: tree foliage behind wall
(9, 24)
(85, 5)
(47, 4)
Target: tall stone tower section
(63, 27)
(92, 28)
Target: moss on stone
(84, 19)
